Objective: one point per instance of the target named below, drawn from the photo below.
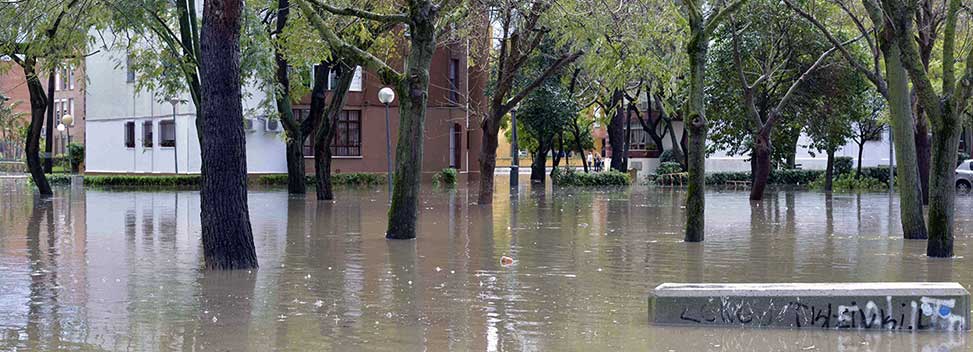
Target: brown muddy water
(121, 270)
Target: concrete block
(899, 306)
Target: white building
(876, 153)
(134, 132)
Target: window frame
(163, 142)
(342, 138)
(453, 76)
(129, 135)
(148, 135)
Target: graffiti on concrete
(926, 313)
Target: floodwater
(121, 270)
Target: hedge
(795, 176)
(569, 177)
(348, 179)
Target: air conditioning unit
(248, 124)
(272, 125)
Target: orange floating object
(505, 260)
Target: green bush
(668, 157)
(778, 177)
(880, 173)
(961, 157)
(150, 181)
(843, 165)
(569, 177)
(849, 183)
(346, 179)
(668, 167)
(445, 178)
(75, 155)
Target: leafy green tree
(869, 126)
(701, 28)
(522, 27)
(55, 35)
(762, 59)
(425, 20)
(893, 85)
(839, 96)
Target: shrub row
(797, 177)
(849, 183)
(349, 179)
(569, 177)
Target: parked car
(964, 177)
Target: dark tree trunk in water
(294, 139)
(538, 165)
(38, 106)
(327, 120)
(488, 159)
(696, 125)
(861, 150)
(829, 172)
(900, 108)
(49, 138)
(922, 151)
(414, 93)
(616, 133)
(760, 167)
(226, 231)
(942, 196)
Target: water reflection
(116, 270)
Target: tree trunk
(696, 124)
(225, 217)
(616, 134)
(942, 195)
(327, 121)
(861, 151)
(38, 106)
(575, 131)
(488, 159)
(829, 172)
(900, 108)
(922, 151)
(538, 165)
(294, 138)
(49, 138)
(760, 165)
(414, 90)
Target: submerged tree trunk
(900, 108)
(225, 217)
(538, 165)
(38, 106)
(488, 159)
(327, 121)
(49, 138)
(414, 90)
(616, 133)
(861, 151)
(942, 197)
(829, 172)
(696, 124)
(760, 165)
(294, 135)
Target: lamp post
(386, 96)
(60, 130)
(175, 151)
(67, 120)
(515, 152)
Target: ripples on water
(120, 270)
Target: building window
(71, 110)
(347, 141)
(454, 81)
(147, 134)
(71, 81)
(130, 71)
(167, 133)
(65, 84)
(130, 134)
(640, 140)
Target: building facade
(69, 98)
(140, 132)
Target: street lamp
(386, 96)
(175, 152)
(515, 153)
(67, 120)
(60, 129)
